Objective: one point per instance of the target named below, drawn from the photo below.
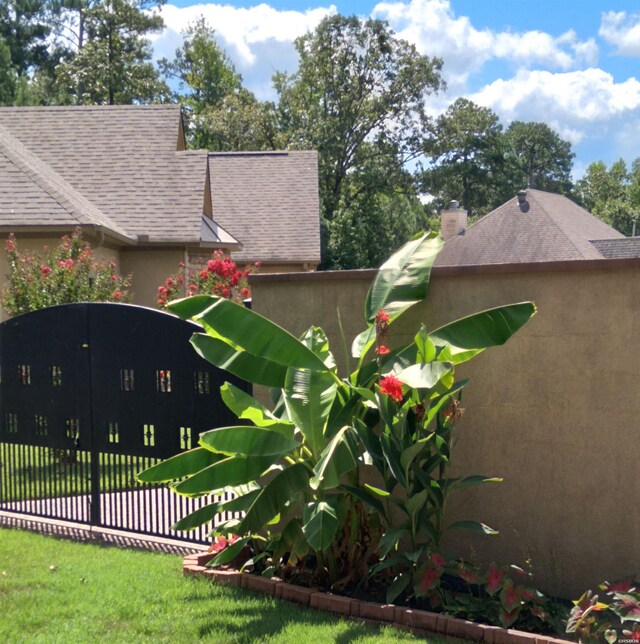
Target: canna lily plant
(340, 471)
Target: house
(124, 175)
(534, 226)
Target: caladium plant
(299, 470)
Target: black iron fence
(91, 394)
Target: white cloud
(621, 30)
(259, 40)
(576, 104)
(435, 30)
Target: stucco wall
(150, 268)
(556, 411)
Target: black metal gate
(91, 394)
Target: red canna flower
(382, 350)
(392, 387)
(382, 316)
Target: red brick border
(420, 622)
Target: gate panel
(91, 394)
(152, 396)
(45, 419)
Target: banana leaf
(470, 335)
(230, 471)
(176, 467)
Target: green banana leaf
(176, 467)
(400, 283)
(308, 397)
(336, 459)
(235, 470)
(207, 513)
(274, 496)
(245, 406)
(320, 524)
(403, 279)
(251, 332)
(247, 440)
(426, 375)
(255, 369)
(470, 335)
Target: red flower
(204, 273)
(168, 282)
(45, 270)
(116, 295)
(220, 543)
(225, 292)
(245, 292)
(181, 264)
(382, 350)
(382, 316)
(391, 386)
(193, 287)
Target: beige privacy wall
(556, 411)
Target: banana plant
(298, 470)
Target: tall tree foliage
(612, 194)
(221, 114)
(24, 28)
(358, 97)
(538, 158)
(466, 152)
(112, 62)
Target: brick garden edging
(420, 622)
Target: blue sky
(573, 64)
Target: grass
(99, 594)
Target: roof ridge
(555, 223)
(54, 184)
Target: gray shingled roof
(115, 166)
(269, 201)
(616, 248)
(547, 227)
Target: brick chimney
(453, 221)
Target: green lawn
(99, 594)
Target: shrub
(615, 619)
(66, 274)
(300, 470)
(221, 276)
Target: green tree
(8, 75)
(612, 194)
(536, 157)
(221, 114)
(465, 148)
(239, 122)
(24, 28)
(112, 63)
(371, 223)
(358, 98)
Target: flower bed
(420, 622)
